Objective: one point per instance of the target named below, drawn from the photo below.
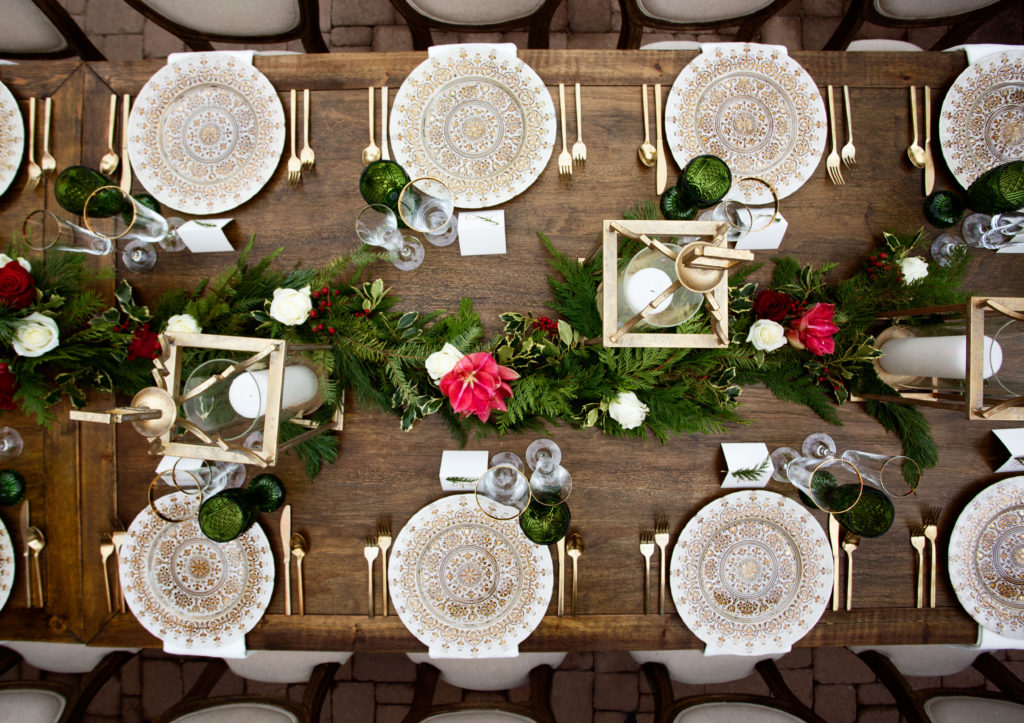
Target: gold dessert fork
(307, 156)
(46, 161)
(661, 540)
(579, 149)
(106, 550)
(36, 543)
(850, 542)
(384, 542)
(118, 537)
(931, 531)
(849, 153)
(294, 164)
(299, 550)
(917, 541)
(832, 162)
(34, 171)
(647, 549)
(370, 552)
(564, 159)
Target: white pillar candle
(645, 286)
(248, 392)
(937, 356)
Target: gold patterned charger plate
(754, 107)
(467, 585)
(479, 120)
(206, 133)
(12, 138)
(986, 558)
(982, 121)
(6, 565)
(187, 589)
(751, 573)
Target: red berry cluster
(545, 324)
(880, 264)
(360, 313)
(321, 327)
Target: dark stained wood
(620, 484)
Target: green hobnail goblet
(381, 183)
(705, 180)
(545, 524)
(230, 513)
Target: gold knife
(126, 169)
(286, 541)
(23, 524)
(929, 163)
(833, 538)
(384, 154)
(560, 546)
(661, 172)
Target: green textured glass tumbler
(942, 209)
(230, 513)
(872, 516)
(75, 184)
(382, 182)
(705, 180)
(999, 190)
(545, 524)
(12, 487)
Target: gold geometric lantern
(207, 415)
(666, 283)
(970, 360)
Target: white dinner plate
(12, 138)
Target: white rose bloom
(441, 362)
(627, 410)
(5, 259)
(183, 324)
(35, 335)
(914, 268)
(291, 307)
(767, 335)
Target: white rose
(914, 268)
(767, 335)
(441, 362)
(183, 324)
(291, 307)
(627, 410)
(35, 335)
(5, 259)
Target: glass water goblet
(947, 247)
(545, 524)
(45, 230)
(780, 458)
(508, 458)
(376, 225)
(502, 492)
(139, 256)
(537, 445)
(974, 227)
(11, 443)
(736, 214)
(819, 446)
(427, 205)
(898, 475)
(550, 482)
(187, 477)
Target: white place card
(461, 468)
(167, 463)
(768, 238)
(1013, 443)
(746, 456)
(1016, 246)
(481, 232)
(206, 236)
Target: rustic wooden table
(82, 475)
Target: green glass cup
(381, 183)
(230, 513)
(942, 209)
(677, 207)
(872, 516)
(545, 524)
(999, 190)
(12, 487)
(269, 490)
(75, 184)
(705, 180)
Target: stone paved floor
(588, 687)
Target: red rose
(772, 305)
(8, 386)
(814, 330)
(145, 344)
(17, 287)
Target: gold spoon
(36, 543)
(575, 549)
(648, 153)
(299, 550)
(372, 152)
(915, 152)
(108, 164)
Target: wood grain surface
(619, 485)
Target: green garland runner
(381, 353)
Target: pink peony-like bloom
(814, 330)
(477, 384)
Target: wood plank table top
(81, 475)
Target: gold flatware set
(921, 536)
(110, 546)
(126, 167)
(847, 542)
(373, 152)
(849, 151)
(297, 163)
(47, 164)
(654, 155)
(574, 548)
(377, 546)
(649, 538)
(921, 157)
(32, 543)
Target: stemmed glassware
(503, 492)
(427, 205)
(376, 225)
(508, 458)
(991, 232)
(70, 236)
(546, 520)
(11, 443)
(946, 247)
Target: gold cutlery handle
(913, 111)
(927, 115)
(931, 590)
(384, 581)
(305, 118)
(298, 576)
(287, 585)
(385, 155)
(662, 166)
(126, 169)
(849, 582)
(661, 582)
(561, 105)
(372, 141)
(28, 579)
(647, 587)
(832, 118)
(47, 111)
(575, 610)
(106, 586)
(112, 120)
(294, 100)
(31, 130)
(849, 122)
(369, 587)
(579, 115)
(560, 547)
(920, 578)
(647, 117)
(39, 578)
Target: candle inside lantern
(248, 393)
(937, 356)
(645, 286)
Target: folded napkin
(232, 648)
(441, 651)
(442, 51)
(990, 640)
(706, 47)
(243, 55)
(777, 653)
(978, 51)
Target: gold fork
(579, 149)
(307, 157)
(849, 152)
(34, 171)
(917, 541)
(850, 542)
(647, 549)
(931, 531)
(370, 552)
(384, 542)
(564, 159)
(117, 537)
(661, 540)
(294, 164)
(46, 161)
(832, 162)
(106, 550)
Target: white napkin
(441, 51)
(777, 653)
(707, 47)
(989, 640)
(233, 648)
(976, 52)
(243, 55)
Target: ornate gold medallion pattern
(6, 565)
(12, 138)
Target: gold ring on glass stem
(860, 484)
(402, 195)
(476, 495)
(161, 515)
(85, 213)
(775, 201)
(60, 229)
(911, 488)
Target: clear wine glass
(507, 458)
(550, 482)
(553, 450)
(898, 475)
(427, 205)
(946, 247)
(40, 224)
(735, 213)
(780, 458)
(11, 443)
(819, 446)
(376, 225)
(502, 492)
(139, 256)
(974, 227)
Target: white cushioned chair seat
(961, 709)
(26, 29)
(927, 660)
(475, 12)
(700, 11)
(28, 705)
(282, 666)
(489, 673)
(231, 17)
(480, 716)
(695, 668)
(734, 713)
(672, 45)
(925, 9)
(882, 45)
(61, 657)
(240, 713)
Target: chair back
(693, 16)
(42, 29)
(537, 709)
(282, 666)
(422, 16)
(962, 16)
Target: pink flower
(477, 384)
(814, 330)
